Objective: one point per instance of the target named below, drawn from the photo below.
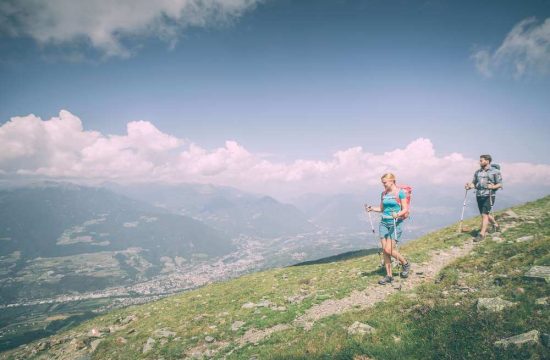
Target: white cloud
(526, 49)
(60, 148)
(105, 24)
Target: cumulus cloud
(60, 148)
(526, 49)
(105, 24)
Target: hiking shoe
(386, 280)
(406, 269)
(479, 238)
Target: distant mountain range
(63, 219)
(57, 238)
(227, 209)
(62, 237)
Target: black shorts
(484, 203)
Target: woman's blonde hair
(388, 176)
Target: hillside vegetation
(56, 238)
(335, 309)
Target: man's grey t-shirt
(483, 177)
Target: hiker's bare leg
(484, 224)
(390, 249)
(387, 263)
(387, 257)
(492, 220)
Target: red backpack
(408, 191)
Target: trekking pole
(370, 220)
(395, 229)
(374, 234)
(491, 201)
(462, 216)
(491, 209)
(394, 239)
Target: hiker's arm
(472, 184)
(405, 208)
(403, 204)
(498, 182)
(373, 208)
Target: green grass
(437, 321)
(28, 323)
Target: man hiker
(394, 209)
(487, 180)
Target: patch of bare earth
(254, 336)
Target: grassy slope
(424, 325)
(442, 322)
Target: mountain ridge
(42, 225)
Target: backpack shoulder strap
(396, 195)
(495, 175)
(476, 175)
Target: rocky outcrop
(493, 304)
(528, 338)
(358, 328)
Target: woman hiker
(392, 212)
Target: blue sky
(297, 80)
